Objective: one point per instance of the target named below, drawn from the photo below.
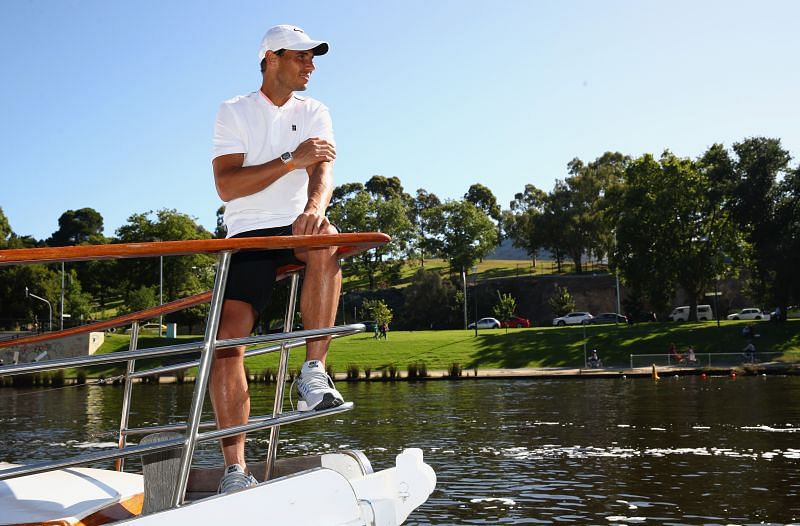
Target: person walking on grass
(273, 167)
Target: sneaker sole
(328, 402)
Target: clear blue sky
(110, 104)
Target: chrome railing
(715, 359)
(191, 428)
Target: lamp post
(464, 281)
(475, 295)
(61, 325)
(160, 293)
(32, 295)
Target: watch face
(286, 157)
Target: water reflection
(601, 451)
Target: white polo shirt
(253, 125)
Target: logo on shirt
(294, 127)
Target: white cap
(289, 37)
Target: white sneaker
(235, 479)
(315, 388)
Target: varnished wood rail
(348, 245)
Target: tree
(522, 222)
(430, 302)
(76, 227)
(5, 230)
(577, 205)
(483, 198)
(385, 187)
(466, 234)
(561, 301)
(378, 310)
(359, 211)
(182, 275)
(671, 230)
(16, 309)
(221, 231)
(505, 307)
(425, 205)
(140, 299)
(757, 201)
(77, 303)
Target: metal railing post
(203, 372)
(283, 365)
(126, 397)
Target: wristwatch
(286, 157)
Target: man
(273, 167)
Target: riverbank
(452, 374)
(534, 348)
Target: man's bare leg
(320, 296)
(228, 384)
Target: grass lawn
(535, 347)
(488, 269)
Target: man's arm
(234, 180)
(320, 189)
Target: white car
(485, 323)
(704, 313)
(749, 314)
(573, 318)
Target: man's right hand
(312, 151)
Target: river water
(585, 451)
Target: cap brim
(318, 47)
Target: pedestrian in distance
(674, 354)
(691, 358)
(594, 360)
(749, 352)
(273, 167)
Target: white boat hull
(318, 497)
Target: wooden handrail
(146, 314)
(348, 244)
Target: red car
(516, 322)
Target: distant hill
(508, 251)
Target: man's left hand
(309, 223)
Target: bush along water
(454, 371)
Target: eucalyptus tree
(357, 209)
(182, 275)
(466, 234)
(671, 230)
(522, 222)
(426, 218)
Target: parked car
(704, 313)
(792, 312)
(485, 323)
(749, 313)
(516, 321)
(608, 317)
(574, 318)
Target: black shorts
(252, 273)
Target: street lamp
(160, 293)
(464, 281)
(475, 294)
(32, 295)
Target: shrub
(352, 372)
